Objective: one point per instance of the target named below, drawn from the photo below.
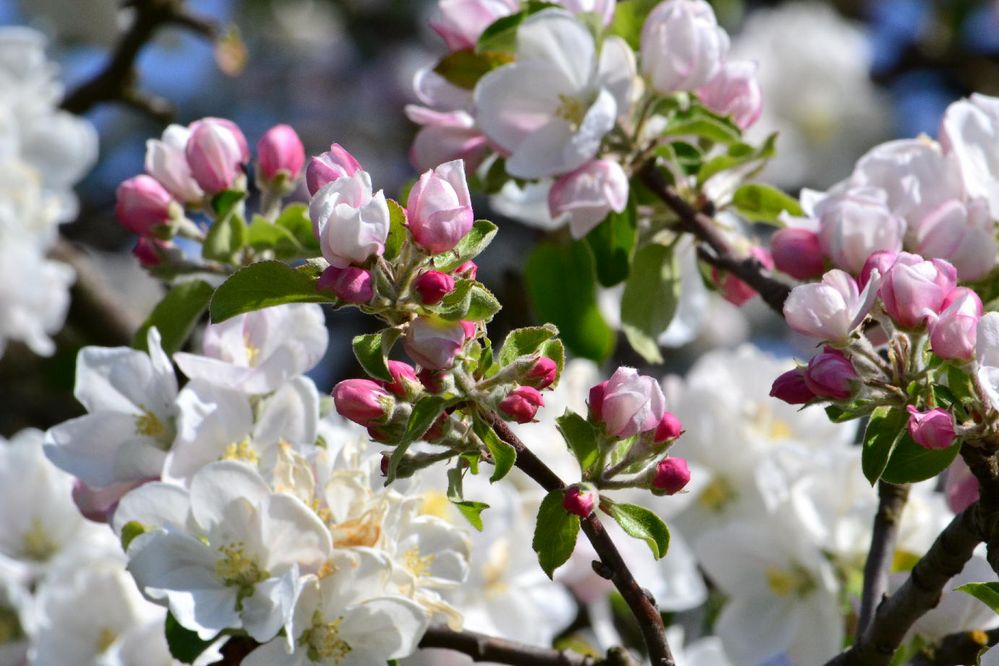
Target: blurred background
(837, 77)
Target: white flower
(235, 561)
(259, 351)
(970, 131)
(551, 108)
(347, 619)
(682, 45)
(350, 222)
(31, 309)
(129, 396)
(167, 163)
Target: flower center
(435, 503)
(37, 544)
(241, 450)
(785, 582)
(417, 565)
(571, 109)
(717, 495)
(238, 570)
(763, 421)
(323, 640)
(148, 424)
(10, 626)
(252, 351)
(105, 639)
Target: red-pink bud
(931, 430)
(792, 388)
(280, 149)
(433, 286)
(351, 284)
(521, 404)
(436, 429)
(579, 501)
(798, 253)
(439, 208)
(830, 375)
(404, 381)
(216, 153)
(149, 251)
(596, 401)
(733, 289)
(143, 204)
(468, 270)
(362, 401)
(914, 288)
(669, 428)
(954, 334)
(542, 373)
(469, 328)
(432, 380)
(672, 475)
(333, 164)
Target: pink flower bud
(672, 475)
(632, 403)
(468, 270)
(856, 223)
(542, 373)
(588, 194)
(432, 380)
(350, 284)
(931, 430)
(792, 388)
(324, 169)
(469, 328)
(404, 382)
(439, 209)
(682, 46)
(830, 375)
(98, 504)
(362, 401)
(216, 153)
(433, 343)
(143, 205)
(166, 162)
(831, 309)
(149, 251)
(914, 288)
(596, 401)
(881, 261)
(579, 501)
(734, 91)
(433, 286)
(960, 486)
(733, 289)
(521, 404)
(460, 22)
(669, 428)
(279, 150)
(797, 252)
(350, 222)
(953, 334)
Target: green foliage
(469, 301)
(561, 283)
(555, 533)
(911, 463)
(525, 341)
(884, 430)
(263, 285)
(184, 644)
(425, 412)
(176, 315)
(397, 230)
(650, 298)
(738, 155)
(501, 35)
(629, 17)
(372, 352)
(613, 245)
(465, 67)
(469, 247)
(581, 437)
(288, 237)
(764, 203)
(641, 523)
(227, 237)
(987, 593)
(504, 455)
(471, 510)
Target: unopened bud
(579, 501)
(433, 286)
(831, 375)
(792, 388)
(669, 428)
(468, 270)
(542, 374)
(350, 284)
(331, 165)
(143, 205)
(280, 150)
(933, 429)
(672, 475)
(362, 401)
(404, 382)
(521, 404)
(798, 253)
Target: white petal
(516, 100)
(104, 448)
(544, 152)
(388, 627)
(217, 485)
(122, 380)
(755, 629)
(270, 606)
(293, 534)
(154, 505)
(555, 36)
(617, 71)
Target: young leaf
(469, 247)
(185, 645)
(885, 428)
(372, 352)
(987, 593)
(738, 155)
(397, 230)
(580, 436)
(465, 67)
(613, 245)
(227, 236)
(295, 219)
(910, 463)
(176, 315)
(650, 298)
(555, 534)
(472, 511)
(263, 285)
(523, 341)
(764, 203)
(470, 301)
(425, 412)
(641, 523)
(504, 455)
(265, 235)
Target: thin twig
(640, 603)
(920, 593)
(891, 502)
(481, 647)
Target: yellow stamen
(785, 582)
(238, 570)
(418, 565)
(37, 544)
(252, 351)
(322, 640)
(241, 450)
(105, 639)
(148, 424)
(571, 109)
(717, 495)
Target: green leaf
(650, 298)
(987, 593)
(225, 202)
(469, 247)
(849, 412)
(263, 285)
(738, 155)
(227, 236)
(184, 644)
(372, 352)
(465, 67)
(911, 463)
(525, 342)
(764, 203)
(472, 511)
(581, 437)
(295, 219)
(397, 230)
(504, 455)
(641, 523)
(266, 235)
(555, 533)
(705, 127)
(629, 17)
(561, 283)
(425, 412)
(470, 301)
(555, 350)
(501, 35)
(885, 428)
(175, 316)
(130, 531)
(613, 245)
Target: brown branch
(481, 647)
(956, 649)
(641, 604)
(116, 82)
(984, 464)
(891, 502)
(714, 247)
(920, 593)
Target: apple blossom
(542, 373)
(830, 375)
(682, 46)
(589, 194)
(831, 309)
(439, 208)
(349, 221)
(856, 223)
(325, 168)
(362, 401)
(968, 126)
(672, 474)
(521, 404)
(166, 162)
(404, 380)
(960, 486)
(143, 205)
(445, 136)
(433, 343)
(460, 22)
(792, 388)
(433, 286)
(350, 284)
(932, 429)
(797, 252)
(914, 289)
(216, 152)
(953, 333)
(631, 403)
(963, 233)
(734, 91)
(280, 150)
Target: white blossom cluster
(43, 153)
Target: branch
(985, 466)
(891, 502)
(715, 249)
(498, 650)
(116, 81)
(641, 604)
(956, 649)
(896, 614)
